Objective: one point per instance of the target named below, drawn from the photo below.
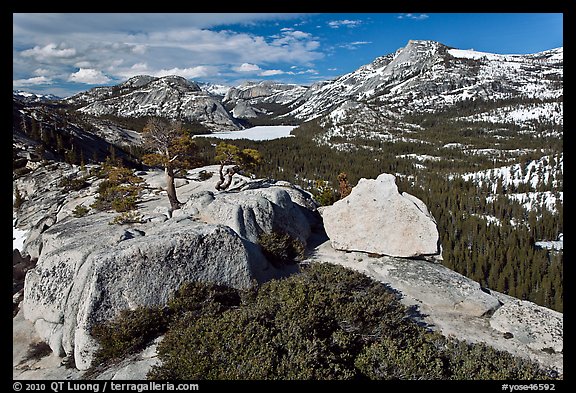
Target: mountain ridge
(423, 76)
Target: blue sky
(63, 54)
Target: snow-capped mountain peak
(427, 77)
(33, 97)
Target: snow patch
(557, 245)
(18, 237)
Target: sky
(63, 54)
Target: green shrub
(205, 175)
(119, 190)
(198, 298)
(280, 248)
(133, 330)
(308, 326)
(325, 196)
(328, 322)
(73, 184)
(121, 198)
(127, 201)
(129, 332)
(80, 211)
(38, 350)
(127, 217)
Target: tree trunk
(225, 180)
(171, 189)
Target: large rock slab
(89, 270)
(456, 306)
(539, 328)
(376, 218)
(253, 212)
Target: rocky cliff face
(254, 99)
(427, 75)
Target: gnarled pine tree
(172, 148)
(245, 159)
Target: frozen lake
(258, 133)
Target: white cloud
(83, 64)
(271, 72)
(139, 49)
(188, 73)
(99, 48)
(336, 24)
(37, 80)
(89, 76)
(290, 36)
(302, 72)
(96, 23)
(42, 72)
(413, 16)
(247, 67)
(354, 45)
(49, 51)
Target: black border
(415, 6)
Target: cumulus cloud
(246, 67)
(336, 24)
(68, 23)
(413, 16)
(49, 51)
(42, 72)
(88, 76)
(101, 48)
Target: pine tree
(172, 148)
(227, 154)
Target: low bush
(38, 350)
(205, 175)
(280, 248)
(133, 330)
(327, 322)
(80, 211)
(119, 190)
(127, 217)
(73, 183)
(129, 332)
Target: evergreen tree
(172, 148)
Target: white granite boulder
(376, 218)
